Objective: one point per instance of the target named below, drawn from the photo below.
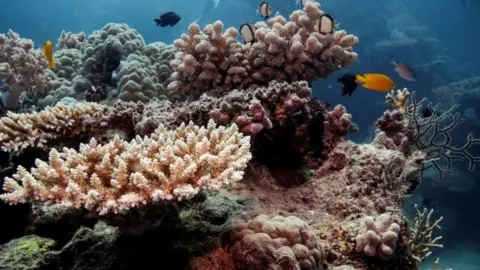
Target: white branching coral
(20, 130)
(112, 178)
(421, 240)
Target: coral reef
(212, 151)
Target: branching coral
(405, 128)
(19, 131)
(120, 175)
(421, 240)
(284, 51)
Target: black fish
(349, 83)
(316, 129)
(169, 18)
(429, 111)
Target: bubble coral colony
(167, 124)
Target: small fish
(169, 18)
(265, 10)
(372, 81)
(48, 52)
(405, 71)
(326, 24)
(248, 33)
(428, 111)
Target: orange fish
(48, 52)
(372, 81)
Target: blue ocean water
(438, 38)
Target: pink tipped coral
(120, 175)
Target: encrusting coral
(112, 178)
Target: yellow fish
(372, 81)
(48, 51)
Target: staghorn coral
(19, 131)
(273, 243)
(120, 175)
(284, 51)
(421, 240)
(379, 239)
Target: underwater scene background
(286, 173)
